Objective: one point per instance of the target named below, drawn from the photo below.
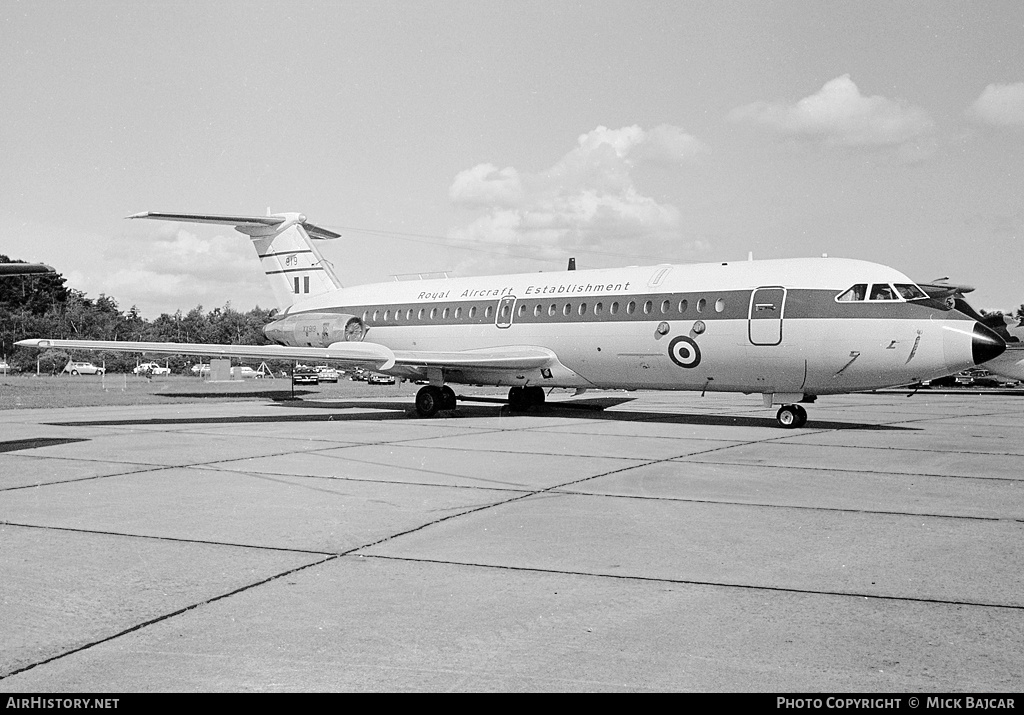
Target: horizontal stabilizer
(372, 355)
(238, 221)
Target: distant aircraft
(789, 330)
(1010, 363)
(24, 269)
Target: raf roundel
(684, 352)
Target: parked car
(379, 379)
(244, 371)
(980, 377)
(326, 374)
(5, 368)
(83, 368)
(305, 376)
(152, 368)
(200, 369)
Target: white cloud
(172, 268)
(840, 115)
(586, 201)
(1000, 105)
(486, 185)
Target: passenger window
(882, 291)
(536, 310)
(856, 292)
(665, 306)
(683, 305)
(615, 307)
(631, 307)
(472, 312)
(552, 309)
(909, 291)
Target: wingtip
(142, 214)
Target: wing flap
(498, 358)
(378, 357)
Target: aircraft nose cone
(985, 344)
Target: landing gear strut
(791, 416)
(432, 399)
(521, 399)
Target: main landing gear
(520, 399)
(432, 399)
(791, 416)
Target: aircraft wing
(940, 290)
(23, 269)
(372, 355)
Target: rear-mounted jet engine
(317, 330)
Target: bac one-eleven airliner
(789, 330)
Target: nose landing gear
(791, 416)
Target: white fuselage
(753, 326)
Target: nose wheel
(791, 416)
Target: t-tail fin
(293, 265)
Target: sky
(480, 137)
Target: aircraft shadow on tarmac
(275, 395)
(13, 445)
(400, 409)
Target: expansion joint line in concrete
(536, 492)
(696, 582)
(167, 616)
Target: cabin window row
(541, 310)
(881, 291)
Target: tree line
(42, 306)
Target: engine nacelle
(317, 330)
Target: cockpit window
(882, 291)
(857, 292)
(909, 291)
